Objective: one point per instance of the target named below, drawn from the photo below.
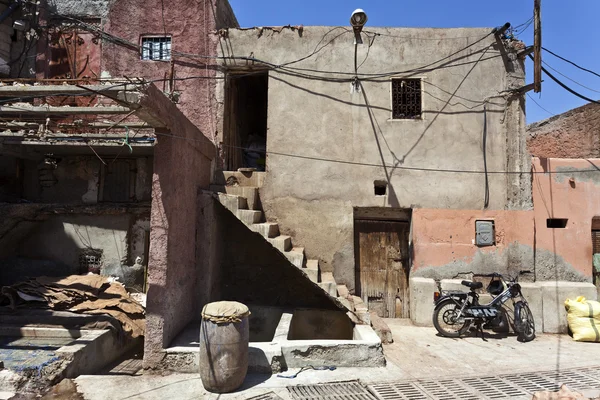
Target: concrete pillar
(421, 300)
(554, 295)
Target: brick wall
(574, 134)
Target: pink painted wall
(568, 194)
(189, 24)
(444, 237)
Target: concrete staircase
(239, 192)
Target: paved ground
(417, 354)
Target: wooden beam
(525, 52)
(526, 88)
(537, 45)
(48, 110)
(29, 142)
(79, 135)
(64, 90)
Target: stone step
(329, 287)
(328, 277)
(312, 270)
(250, 193)
(296, 256)
(282, 243)
(266, 229)
(343, 291)
(233, 203)
(249, 217)
(237, 178)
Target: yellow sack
(583, 317)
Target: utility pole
(537, 46)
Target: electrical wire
(538, 104)
(273, 66)
(568, 89)
(399, 167)
(572, 80)
(571, 62)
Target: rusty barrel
(224, 335)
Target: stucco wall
(182, 167)
(39, 239)
(188, 24)
(313, 200)
(562, 190)
(573, 134)
(444, 243)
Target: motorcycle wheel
(524, 323)
(447, 321)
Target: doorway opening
(245, 131)
(382, 260)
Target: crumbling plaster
(567, 188)
(444, 247)
(313, 199)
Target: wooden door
(382, 266)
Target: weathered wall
(189, 25)
(313, 199)
(39, 239)
(79, 179)
(443, 240)
(573, 134)
(444, 243)
(252, 271)
(182, 166)
(562, 190)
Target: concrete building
(357, 170)
(85, 177)
(107, 158)
(565, 152)
(402, 166)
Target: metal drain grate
(448, 389)
(331, 391)
(403, 391)
(512, 386)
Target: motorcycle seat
(472, 285)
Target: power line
(571, 62)
(572, 80)
(568, 89)
(121, 41)
(538, 104)
(399, 167)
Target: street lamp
(358, 20)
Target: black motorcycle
(456, 311)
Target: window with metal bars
(406, 98)
(156, 48)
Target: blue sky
(569, 29)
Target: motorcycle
(456, 311)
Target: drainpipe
(13, 6)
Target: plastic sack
(583, 317)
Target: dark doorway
(383, 262)
(245, 133)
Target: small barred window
(406, 98)
(156, 48)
